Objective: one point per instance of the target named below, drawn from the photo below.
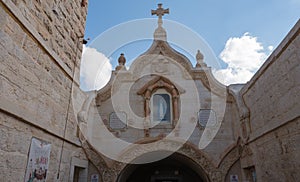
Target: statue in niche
(161, 108)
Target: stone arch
(206, 168)
(201, 161)
(176, 166)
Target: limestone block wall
(274, 101)
(40, 50)
(15, 141)
(58, 24)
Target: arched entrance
(175, 168)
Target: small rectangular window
(250, 174)
(79, 174)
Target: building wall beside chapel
(15, 142)
(272, 97)
(40, 50)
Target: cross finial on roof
(160, 12)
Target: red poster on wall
(38, 161)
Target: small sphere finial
(200, 58)
(122, 61)
(199, 55)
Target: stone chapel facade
(163, 119)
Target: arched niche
(175, 168)
(159, 82)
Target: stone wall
(59, 25)
(273, 98)
(276, 154)
(15, 143)
(40, 51)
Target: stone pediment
(160, 47)
(159, 81)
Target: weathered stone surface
(265, 113)
(36, 91)
(273, 99)
(40, 48)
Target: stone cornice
(32, 119)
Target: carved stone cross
(160, 12)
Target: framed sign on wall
(38, 161)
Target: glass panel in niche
(161, 110)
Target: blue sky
(224, 25)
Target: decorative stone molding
(244, 113)
(121, 61)
(161, 66)
(105, 93)
(209, 81)
(162, 50)
(149, 88)
(200, 60)
(117, 77)
(213, 171)
(83, 113)
(160, 47)
(186, 150)
(160, 33)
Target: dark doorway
(175, 168)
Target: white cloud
(244, 56)
(95, 69)
(270, 48)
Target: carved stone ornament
(200, 58)
(161, 66)
(121, 61)
(160, 82)
(244, 112)
(160, 47)
(160, 33)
